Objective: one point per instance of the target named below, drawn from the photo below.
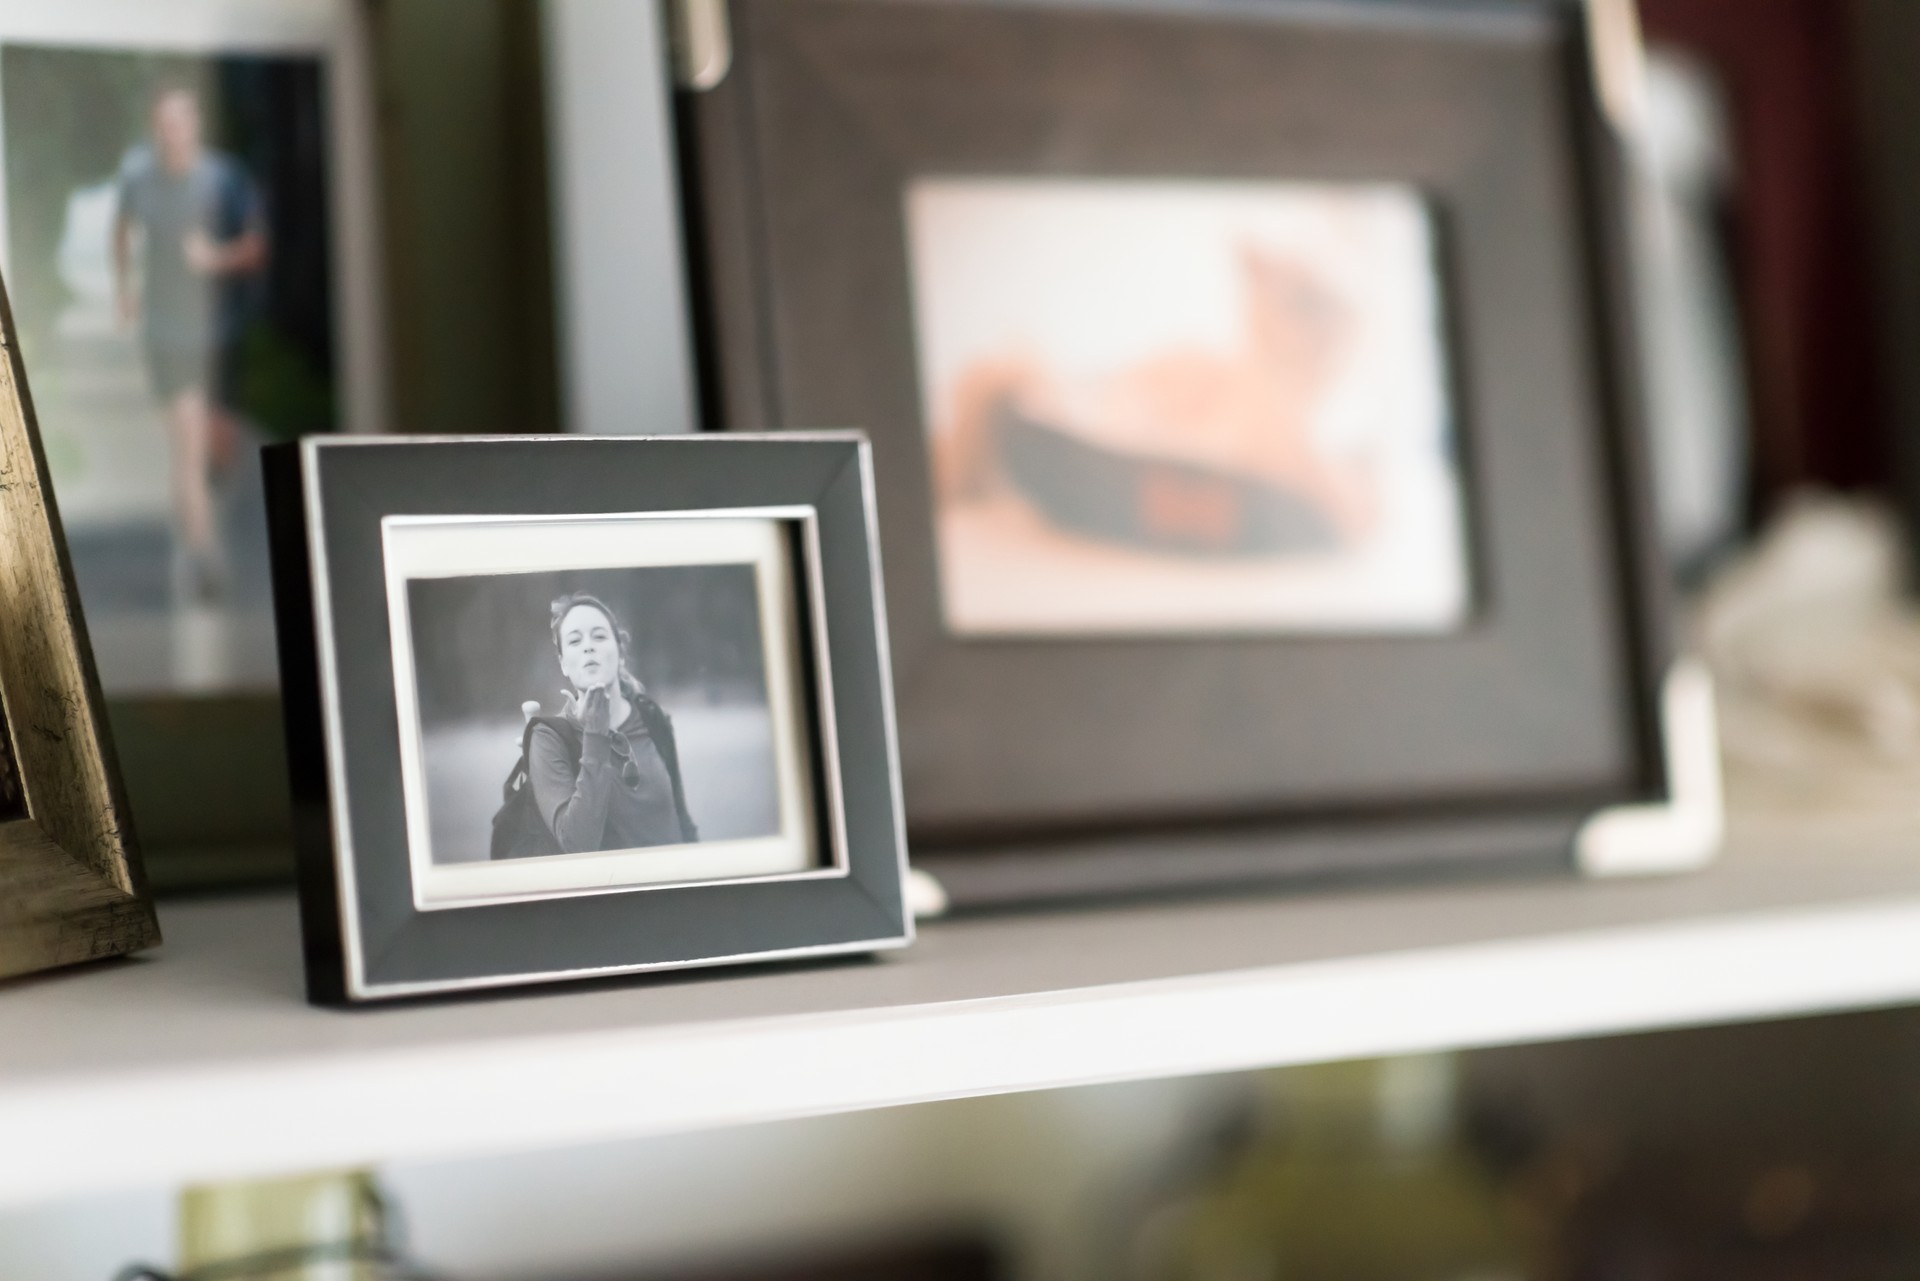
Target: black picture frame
(1053, 768)
(366, 936)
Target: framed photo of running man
(1259, 456)
(570, 706)
(185, 200)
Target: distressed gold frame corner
(71, 884)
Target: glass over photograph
(599, 703)
(168, 249)
(1185, 407)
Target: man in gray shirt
(203, 236)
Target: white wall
(625, 351)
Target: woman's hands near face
(595, 709)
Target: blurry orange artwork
(1175, 407)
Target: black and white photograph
(624, 719)
(173, 244)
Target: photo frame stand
(71, 884)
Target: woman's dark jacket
(614, 791)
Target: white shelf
(201, 1061)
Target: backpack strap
(660, 727)
(518, 829)
(571, 737)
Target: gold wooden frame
(71, 884)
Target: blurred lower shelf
(201, 1061)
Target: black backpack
(518, 829)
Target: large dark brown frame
(1156, 762)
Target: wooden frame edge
(72, 887)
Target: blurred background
(531, 282)
(1786, 1150)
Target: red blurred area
(1800, 233)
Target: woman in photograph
(605, 773)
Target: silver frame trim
(333, 735)
(883, 646)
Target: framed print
(186, 218)
(1228, 460)
(1259, 446)
(562, 706)
(71, 884)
